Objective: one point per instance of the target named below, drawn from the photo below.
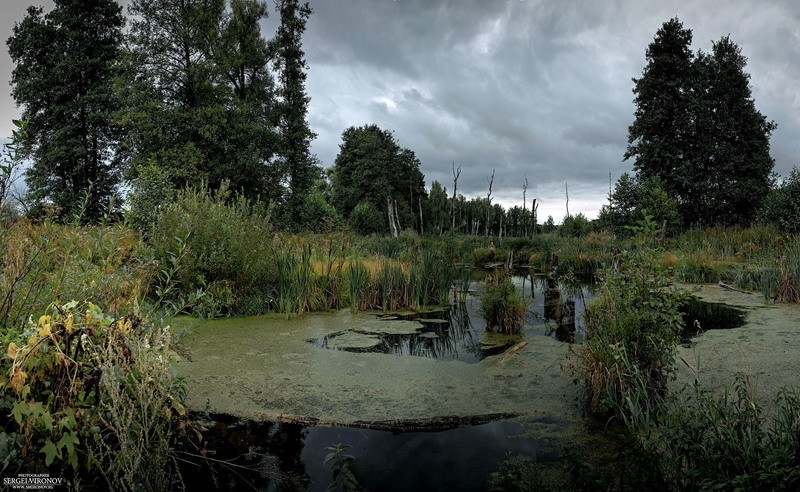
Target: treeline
(191, 92)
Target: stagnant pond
(459, 332)
(344, 377)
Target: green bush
(502, 306)
(317, 215)
(632, 328)
(366, 219)
(574, 226)
(782, 205)
(213, 243)
(151, 195)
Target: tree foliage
(438, 208)
(782, 205)
(200, 94)
(696, 128)
(634, 197)
(372, 167)
(65, 62)
(299, 166)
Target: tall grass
(357, 280)
(294, 285)
(720, 441)
(635, 319)
(789, 272)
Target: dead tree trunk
(456, 174)
(489, 202)
(524, 205)
(421, 225)
(390, 209)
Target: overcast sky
(525, 87)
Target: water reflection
(459, 332)
(289, 457)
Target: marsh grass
(357, 280)
(720, 441)
(788, 289)
(502, 306)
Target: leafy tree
(174, 104)
(549, 225)
(438, 208)
(201, 96)
(782, 205)
(697, 129)
(631, 197)
(251, 134)
(659, 136)
(574, 226)
(65, 62)
(731, 167)
(372, 167)
(300, 168)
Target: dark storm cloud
(536, 88)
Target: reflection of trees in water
(249, 456)
(453, 335)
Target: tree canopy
(63, 79)
(696, 128)
(371, 167)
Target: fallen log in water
(516, 348)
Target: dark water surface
(277, 457)
(459, 332)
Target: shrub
(632, 328)
(206, 243)
(782, 205)
(151, 195)
(317, 215)
(574, 226)
(82, 389)
(502, 306)
(366, 219)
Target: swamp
(221, 270)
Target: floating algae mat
(288, 399)
(414, 335)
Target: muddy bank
(765, 348)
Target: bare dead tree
(421, 225)
(534, 207)
(456, 174)
(490, 180)
(525, 203)
(391, 207)
(566, 188)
